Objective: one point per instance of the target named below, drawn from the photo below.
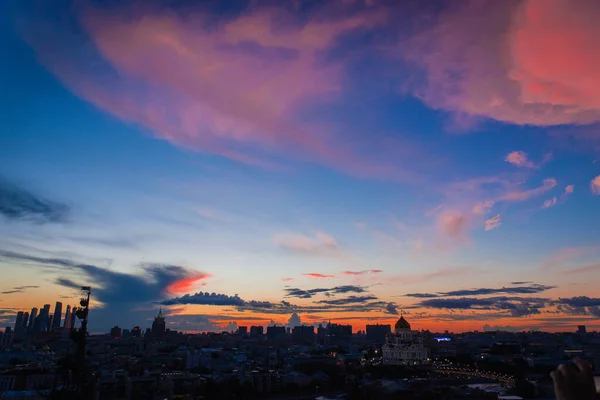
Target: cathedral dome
(402, 324)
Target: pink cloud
(549, 203)
(569, 189)
(518, 195)
(454, 226)
(519, 159)
(483, 207)
(318, 276)
(287, 279)
(584, 269)
(566, 255)
(238, 88)
(367, 271)
(426, 277)
(320, 244)
(495, 60)
(493, 223)
(595, 185)
(188, 284)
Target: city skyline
(356, 161)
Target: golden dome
(402, 324)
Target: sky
(295, 162)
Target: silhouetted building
(57, 317)
(73, 317)
(67, 318)
(303, 334)
(275, 332)
(242, 330)
(25, 319)
(581, 329)
(336, 331)
(7, 337)
(115, 332)
(159, 325)
(19, 320)
(32, 317)
(377, 333)
(321, 331)
(256, 330)
(136, 332)
(44, 319)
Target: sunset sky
(345, 160)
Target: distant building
(19, 321)
(44, 318)
(115, 332)
(159, 325)
(404, 347)
(67, 324)
(274, 332)
(136, 332)
(581, 329)
(73, 317)
(377, 333)
(32, 317)
(7, 337)
(57, 317)
(256, 330)
(242, 330)
(303, 334)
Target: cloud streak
(17, 203)
(320, 244)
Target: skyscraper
(73, 317)
(32, 315)
(19, 321)
(68, 318)
(159, 325)
(57, 316)
(25, 319)
(45, 318)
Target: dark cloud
(19, 289)
(422, 295)
(201, 322)
(20, 204)
(127, 299)
(515, 306)
(205, 298)
(348, 300)
(580, 305)
(391, 308)
(532, 288)
(521, 283)
(309, 293)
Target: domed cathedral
(404, 346)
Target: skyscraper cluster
(44, 320)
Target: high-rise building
(242, 330)
(19, 320)
(303, 334)
(68, 318)
(57, 316)
(159, 325)
(377, 333)
(581, 329)
(32, 316)
(73, 317)
(50, 323)
(275, 332)
(256, 330)
(115, 332)
(45, 318)
(25, 320)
